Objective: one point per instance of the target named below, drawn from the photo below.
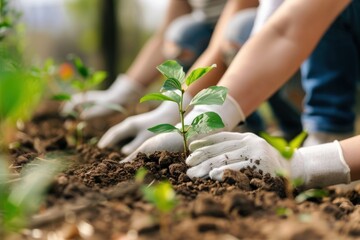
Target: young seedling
(81, 79)
(287, 150)
(173, 89)
(162, 196)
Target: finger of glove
(95, 111)
(117, 133)
(136, 142)
(213, 139)
(171, 142)
(203, 169)
(80, 98)
(208, 152)
(218, 173)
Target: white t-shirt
(265, 10)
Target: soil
(96, 197)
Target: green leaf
(62, 97)
(97, 78)
(140, 175)
(277, 142)
(172, 69)
(161, 195)
(163, 128)
(197, 74)
(214, 95)
(171, 84)
(156, 97)
(80, 67)
(204, 123)
(173, 95)
(311, 193)
(298, 140)
(78, 84)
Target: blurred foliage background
(107, 35)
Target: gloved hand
(318, 166)
(230, 113)
(137, 126)
(122, 92)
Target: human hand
(318, 166)
(122, 92)
(230, 113)
(229, 150)
(137, 126)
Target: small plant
(287, 150)
(173, 90)
(284, 147)
(162, 196)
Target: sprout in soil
(287, 150)
(162, 196)
(81, 79)
(173, 89)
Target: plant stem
(183, 132)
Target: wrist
(320, 166)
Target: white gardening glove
(122, 92)
(229, 111)
(137, 126)
(317, 166)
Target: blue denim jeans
(191, 33)
(287, 116)
(330, 74)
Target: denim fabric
(192, 33)
(287, 116)
(330, 74)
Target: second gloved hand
(318, 166)
(122, 92)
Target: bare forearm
(273, 54)
(143, 69)
(351, 152)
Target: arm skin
(213, 53)
(274, 53)
(143, 69)
(351, 152)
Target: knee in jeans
(172, 50)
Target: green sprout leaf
(205, 123)
(298, 140)
(157, 97)
(172, 69)
(163, 128)
(97, 78)
(311, 193)
(197, 74)
(80, 67)
(140, 175)
(214, 95)
(162, 195)
(171, 84)
(62, 97)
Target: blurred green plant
(284, 147)
(287, 150)
(22, 196)
(173, 90)
(162, 196)
(8, 17)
